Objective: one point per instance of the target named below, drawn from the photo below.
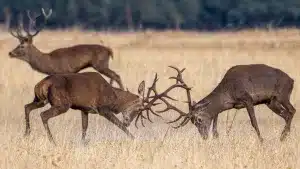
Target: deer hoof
(52, 142)
(284, 135)
(132, 137)
(27, 133)
(216, 135)
(85, 142)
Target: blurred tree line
(158, 14)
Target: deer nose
(205, 137)
(11, 54)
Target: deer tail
(41, 89)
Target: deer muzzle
(203, 133)
(126, 121)
(11, 54)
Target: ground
(137, 56)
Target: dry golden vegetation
(138, 56)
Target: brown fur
(88, 92)
(245, 86)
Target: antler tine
(13, 34)
(136, 120)
(146, 108)
(180, 79)
(182, 84)
(184, 122)
(47, 15)
(33, 21)
(187, 117)
(30, 18)
(140, 115)
(148, 116)
(18, 30)
(170, 107)
(179, 74)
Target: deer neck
(36, 53)
(37, 58)
(218, 102)
(124, 100)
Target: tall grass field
(138, 56)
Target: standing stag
(90, 93)
(243, 86)
(64, 60)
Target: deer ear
(141, 88)
(201, 106)
(205, 104)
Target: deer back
(87, 89)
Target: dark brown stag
(63, 60)
(243, 86)
(90, 93)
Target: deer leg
(285, 103)
(247, 101)
(288, 120)
(215, 131)
(112, 118)
(52, 112)
(112, 75)
(85, 121)
(28, 108)
(284, 112)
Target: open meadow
(137, 56)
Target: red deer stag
(243, 86)
(90, 93)
(64, 60)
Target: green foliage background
(161, 14)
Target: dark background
(158, 14)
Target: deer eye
(199, 120)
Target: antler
(17, 33)
(148, 108)
(32, 21)
(187, 117)
(164, 96)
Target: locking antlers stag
(243, 86)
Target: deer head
(22, 51)
(132, 109)
(201, 119)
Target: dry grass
(137, 57)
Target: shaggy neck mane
(125, 99)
